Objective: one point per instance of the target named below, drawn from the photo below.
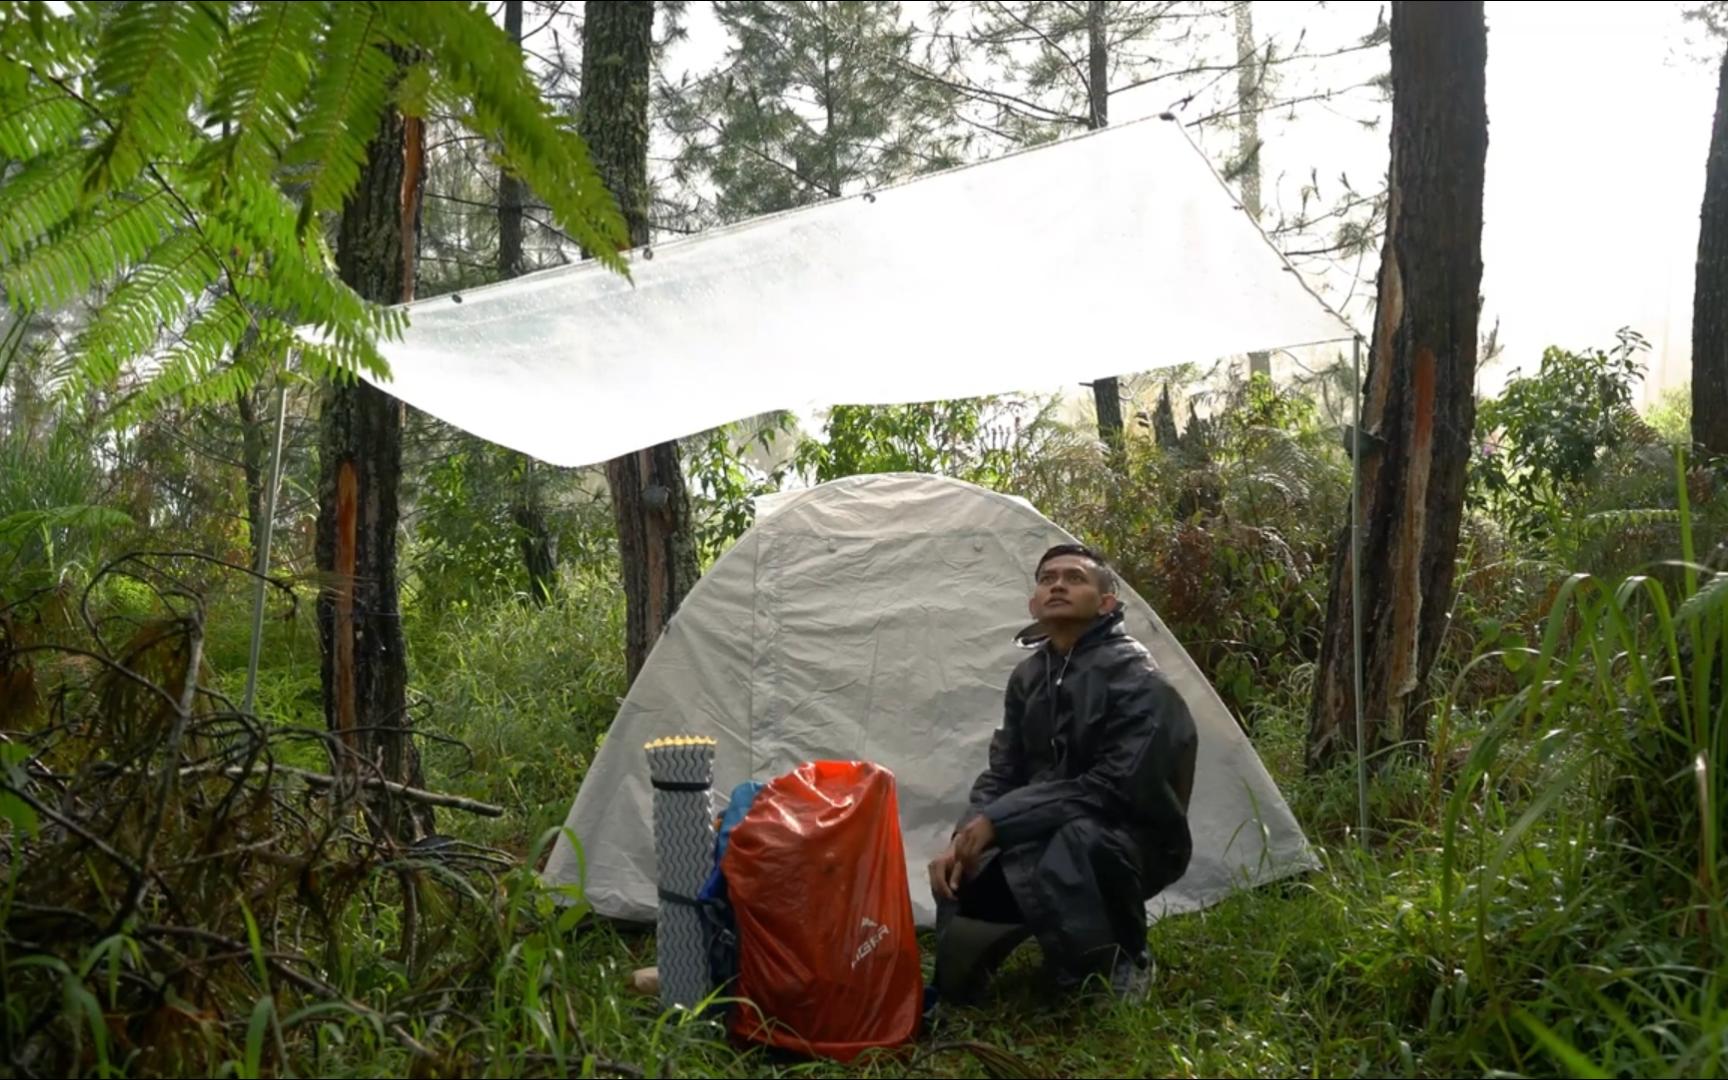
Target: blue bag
(721, 930)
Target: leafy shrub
(725, 484)
(475, 507)
(984, 441)
(1544, 436)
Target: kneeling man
(1082, 814)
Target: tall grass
(1603, 889)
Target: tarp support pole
(1356, 584)
(263, 567)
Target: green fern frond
(331, 360)
(1636, 427)
(1292, 490)
(351, 89)
(156, 296)
(155, 59)
(482, 66)
(1707, 601)
(38, 198)
(135, 185)
(226, 351)
(35, 119)
(285, 276)
(94, 250)
(257, 219)
(350, 326)
(263, 79)
(1630, 518)
(51, 38)
(1279, 459)
(299, 278)
(199, 352)
(17, 527)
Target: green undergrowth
(1541, 896)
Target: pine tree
(526, 514)
(1710, 293)
(1250, 76)
(650, 501)
(365, 667)
(813, 100)
(1418, 406)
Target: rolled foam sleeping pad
(681, 770)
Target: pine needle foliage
(179, 162)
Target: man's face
(1067, 592)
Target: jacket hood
(1035, 636)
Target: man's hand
(956, 865)
(946, 874)
(973, 840)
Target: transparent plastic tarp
(1108, 253)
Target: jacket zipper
(1058, 744)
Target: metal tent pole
(263, 566)
(1356, 584)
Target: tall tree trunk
(828, 136)
(510, 187)
(1248, 93)
(1164, 431)
(539, 557)
(534, 537)
(1106, 392)
(1418, 409)
(365, 668)
(649, 499)
(1710, 293)
(254, 443)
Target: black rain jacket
(1099, 734)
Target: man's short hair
(1102, 575)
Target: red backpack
(827, 948)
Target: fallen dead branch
(400, 791)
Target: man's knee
(1089, 855)
(1081, 832)
(1091, 842)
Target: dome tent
(873, 618)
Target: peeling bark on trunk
(1710, 293)
(1419, 408)
(365, 669)
(649, 499)
(1106, 392)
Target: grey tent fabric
(874, 618)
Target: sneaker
(1131, 979)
